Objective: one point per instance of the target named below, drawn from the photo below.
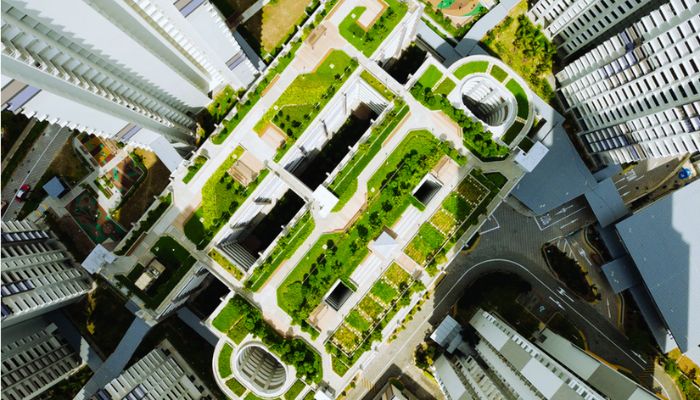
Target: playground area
(94, 220)
(458, 8)
(101, 151)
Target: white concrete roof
(98, 257)
(325, 200)
(528, 161)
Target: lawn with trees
(523, 46)
(192, 170)
(368, 40)
(377, 85)
(306, 96)
(475, 138)
(457, 32)
(336, 255)
(295, 352)
(221, 197)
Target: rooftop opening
(427, 190)
(485, 99)
(260, 369)
(338, 296)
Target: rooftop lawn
(430, 77)
(306, 96)
(223, 103)
(345, 183)
(512, 132)
(292, 351)
(445, 87)
(177, 261)
(192, 170)
(520, 98)
(498, 73)
(367, 41)
(221, 197)
(377, 85)
(336, 255)
(471, 68)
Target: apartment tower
(38, 274)
(135, 71)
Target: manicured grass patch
(396, 275)
(443, 220)
(238, 332)
(430, 77)
(294, 391)
(337, 255)
(497, 179)
(222, 104)
(498, 73)
(520, 98)
(226, 264)
(284, 249)
(345, 183)
(445, 87)
(306, 96)
(356, 320)
(384, 292)
(425, 244)
(177, 261)
(192, 170)
(523, 46)
(367, 41)
(470, 68)
(475, 138)
(293, 351)
(221, 197)
(377, 85)
(457, 206)
(236, 387)
(370, 307)
(526, 144)
(311, 394)
(513, 131)
(224, 361)
(344, 337)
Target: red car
(23, 192)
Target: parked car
(23, 192)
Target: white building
(637, 95)
(132, 71)
(574, 24)
(161, 374)
(500, 363)
(34, 357)
(38, 274)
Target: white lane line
(568, 223)
(607, 301)
(660, 385)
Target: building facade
(161, 374)
(131, 71)
(636, 95)
(34, 357)
(38, 274)
(496, 362)
(574, 25)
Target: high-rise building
(34, 357)
(161, 374)
(637, 95)
(574, 25)
(132, 71)
(38, 274)
(497, 362)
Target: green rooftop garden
(368, 40)
(430, 77)
(240, 315)
(336, 255)
(363, 325)
(377, 85)
(192, 170)
(306, 96)
(475, 138)
(471, 68)
(221, 197)
(520, 97)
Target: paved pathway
(115, 363)
(33, 166)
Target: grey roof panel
(561, 176)
(663, 239)
(606, 203)
(621, 274)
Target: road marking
(568, 223)
(660, 385)
(607, 301)
(550, 223)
